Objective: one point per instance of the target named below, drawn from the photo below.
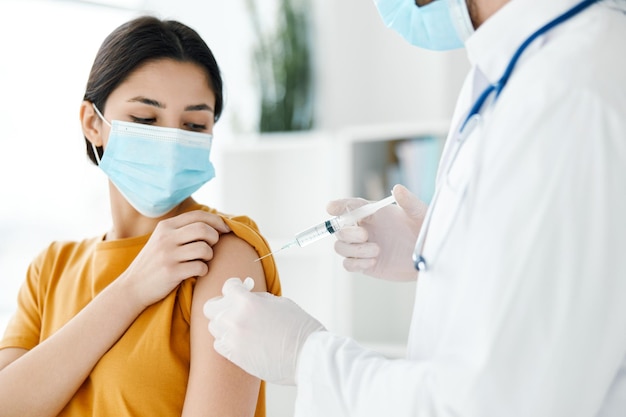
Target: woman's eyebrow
(199, 107)
(155, 103)
(148, 101)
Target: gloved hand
(382, 244)
(259, 332)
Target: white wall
(369, 75)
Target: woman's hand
(179, 248)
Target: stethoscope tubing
(474, 115)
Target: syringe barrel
(330, 226)
(317, 232)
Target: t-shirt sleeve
(246, 229)
(24, 327)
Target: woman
(113, 325)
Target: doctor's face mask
(155, 168)
(439, 25)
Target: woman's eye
(143, 120)
(196, 127)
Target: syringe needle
(265, 256)
(288, 245)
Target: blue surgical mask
(155, 168)
(439, 25)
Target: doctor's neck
(481, 10)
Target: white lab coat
(523, 309)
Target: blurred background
(322, 102)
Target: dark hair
(141, 40)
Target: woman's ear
(91, 123)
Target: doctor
(521, 299)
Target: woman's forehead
(168, 82)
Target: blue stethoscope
(473, 116)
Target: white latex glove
(259, 332)
(381, 245)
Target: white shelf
(376, 313)
(376, 132)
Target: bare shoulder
(234, 257)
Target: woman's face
(164, 93)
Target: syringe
(332, 225)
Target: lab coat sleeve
(338, 377)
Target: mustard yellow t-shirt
(145, 373)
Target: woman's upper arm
(10, 355)
(216, 386)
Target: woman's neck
(128, 222)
